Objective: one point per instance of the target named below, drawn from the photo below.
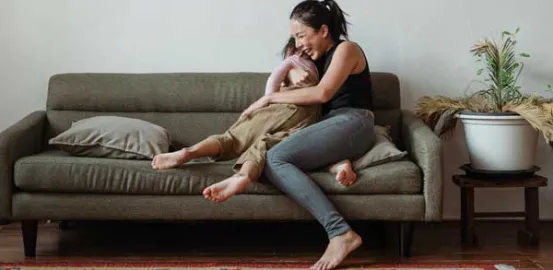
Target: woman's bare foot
(344, 173)
(227, 188)
(338, 249)
(170, 160)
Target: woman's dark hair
(315, 13)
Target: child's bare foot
(344, 173)
(338, 249)
(170, 160)
(227, 188)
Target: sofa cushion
(383, 150)
(56, 171)
(185, 129)
(113, 137)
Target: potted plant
(501, 123)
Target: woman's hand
(260, 103)
(299, 77)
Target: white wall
(425, 42)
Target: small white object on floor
(504, 267)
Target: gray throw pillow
(384, 150)
(113, 137)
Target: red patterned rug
(73, 265)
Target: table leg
(530, 235)
(467, 216)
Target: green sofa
(39, 182)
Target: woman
(249, 138)
(346, 130)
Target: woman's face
(309, 41)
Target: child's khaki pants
(251, 138)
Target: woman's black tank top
(356, 92)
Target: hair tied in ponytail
(315, 13)
(326, 4)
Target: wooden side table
(527, 236)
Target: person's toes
(319, 265)
(332, 265)
(323, 266)
(314, 266)
(352, 177)
(341, 176)
(207, 193)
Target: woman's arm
(345, 59)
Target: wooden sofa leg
(405, 239)
(29, 229)
(380, 235)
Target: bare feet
(227, 188)
(338, 249)
(344, 173)
(170, 160)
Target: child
(251, 137)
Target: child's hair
(315, 13)
(290, 48)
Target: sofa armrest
(21, 139)
(425, 149)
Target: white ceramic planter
(499, 142)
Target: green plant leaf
(524, 55)
(506, 33)
(479, 72)
(517, 30)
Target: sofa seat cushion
(56, 171)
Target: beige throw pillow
(113, 137)
(384, 150)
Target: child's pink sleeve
(278, 75)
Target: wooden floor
(298, 242)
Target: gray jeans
(345, 133)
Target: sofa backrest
(190, 106)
